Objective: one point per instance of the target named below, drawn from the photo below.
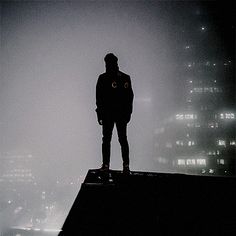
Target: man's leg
(107, 128)
(122, 137)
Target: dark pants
(107, 128)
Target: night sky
(52, 54)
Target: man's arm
(130, 100)
(99, 100)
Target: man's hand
(100, 122)
(128, 118)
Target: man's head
(111, 62)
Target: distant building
(201, 137)
(16, 168)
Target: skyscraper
(200, 137)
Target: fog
(51, 56)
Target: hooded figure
(114, 100)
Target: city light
(191, 162)
(232, 143)
(227, 116)
(222, 142)
(185, 116)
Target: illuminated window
(186, 116)
(198, 90)
(232, 143)
(180, 143)
(191, 143)
(189, 116)
(208, 89)
(221, 142)
(179, 117)
(181, 162)
(191, 162)
(217, 90)
(220, 161)
(201, 162)
(227, 116)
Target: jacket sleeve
(130, 98)
(99, 98)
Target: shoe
(126, 169)
(104, 168)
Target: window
(201, 162)
(220, 161)
(232, 143)
(181, 162)
(191, 162)
(222, 143)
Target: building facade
(199, 138)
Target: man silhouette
(114, 100)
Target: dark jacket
(114, 96)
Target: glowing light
(221, 142)
(203, 28)
(186, 117)
(52, 230)
(201, 162)
(222, 161)
(191, 162)
(227, 116)
(181, 162)
(232, 143)
(191, 143)
(211, 171)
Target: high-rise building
(16, 168)
(200, 137)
